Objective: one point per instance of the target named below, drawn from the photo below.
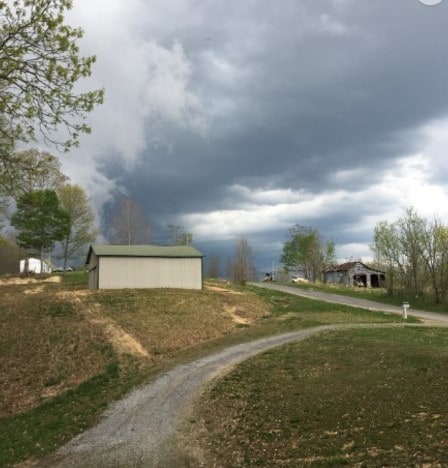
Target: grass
(377, 295)
(55, 421)
(309, 312)
(45, 347)
(66, 353)
(360, 398)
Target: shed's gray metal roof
(350, 265)
(174, 251)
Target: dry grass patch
(164, 321)
(29, 280)
(52, 337)
(121, 342)
(46, 347)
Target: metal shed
(144, 266)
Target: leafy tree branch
(40, 66)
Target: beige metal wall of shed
(144, 266)
(141, 272)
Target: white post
(405, 310)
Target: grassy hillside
(67, 352)
(365, 397)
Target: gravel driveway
(137, 431)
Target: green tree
(305, 250)
(40, 67)
(179, 235)
(412, 229)
(414, 253)
(10, 256)
(80, 221)
(434, 251)
(3, 211)
(40, 220)
(398, 245)
(7, 142)
(389, 254)
(28, 171)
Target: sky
(246, 117)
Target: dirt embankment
(55, 336)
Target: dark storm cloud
(301, 96)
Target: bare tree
(129, 225)
(213, 267)
(242, 266)
(179, 235)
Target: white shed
(34, 266)
(144, 266)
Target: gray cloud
(222, 114)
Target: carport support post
(405, 310)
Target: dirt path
(139, 430)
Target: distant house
(144, 266)
(355, 274)
(33, 265)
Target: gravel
(138, 431)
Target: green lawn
(377, 295)
(364, 397)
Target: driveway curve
(138, 431)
